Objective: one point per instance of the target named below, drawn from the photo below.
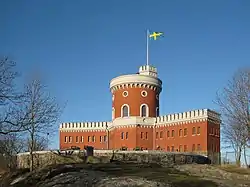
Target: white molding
(122, 110)
(189, 117)
(147, 110)
(135, 80)
(133, 120)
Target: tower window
(144, 93)
(113, 113)
(144, 110)
(125, 110)
(157, 96)
(125, 94)
(157, 111)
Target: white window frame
(113, 113)
(122, 110)
(123, 93)
(147, 110)
(157, 115)
(146, 93)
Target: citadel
(137, 125)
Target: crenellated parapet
(194, 115)
(85, 126)
(136, 85)
(134, 81)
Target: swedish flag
(154, 35)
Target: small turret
(148, 70)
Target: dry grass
(153, 172)
(235, 169)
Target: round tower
(136, 95)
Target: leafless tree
(39, 143)
(10, 146)
(10, 98)
(41, 111)
(234, 102)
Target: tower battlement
(85, 125)
(190, 115)
(148, 70)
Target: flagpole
(147, 45)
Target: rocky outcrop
(126, 174)
(74, 175)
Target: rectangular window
(82, 139)
(146, 135)
(193, 131)
(77, 140)
(168, 134)
(180, 148)
(172, 148)
(65, 139)
(105, 138)
(70, 139)
(168, 148)
(141, 135)
(193, 147)
(172, 133)
(126, 135)
(122, 135)
(185, 148)
(198, 147)
(93, 138)
(185, 132)
(161, 134)
(180, 132)
(100, 138)
(89, 139)
(198, 130)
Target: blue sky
(78, 46)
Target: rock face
(122, 174)
(72, 175)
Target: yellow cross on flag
(155, 35)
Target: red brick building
(136, 123)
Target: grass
(155, 173)
(235, 169)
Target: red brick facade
(136, 122)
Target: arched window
(157, 111)
(125, 111)
(144, 110)
(113, 113)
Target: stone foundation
(43, 158)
